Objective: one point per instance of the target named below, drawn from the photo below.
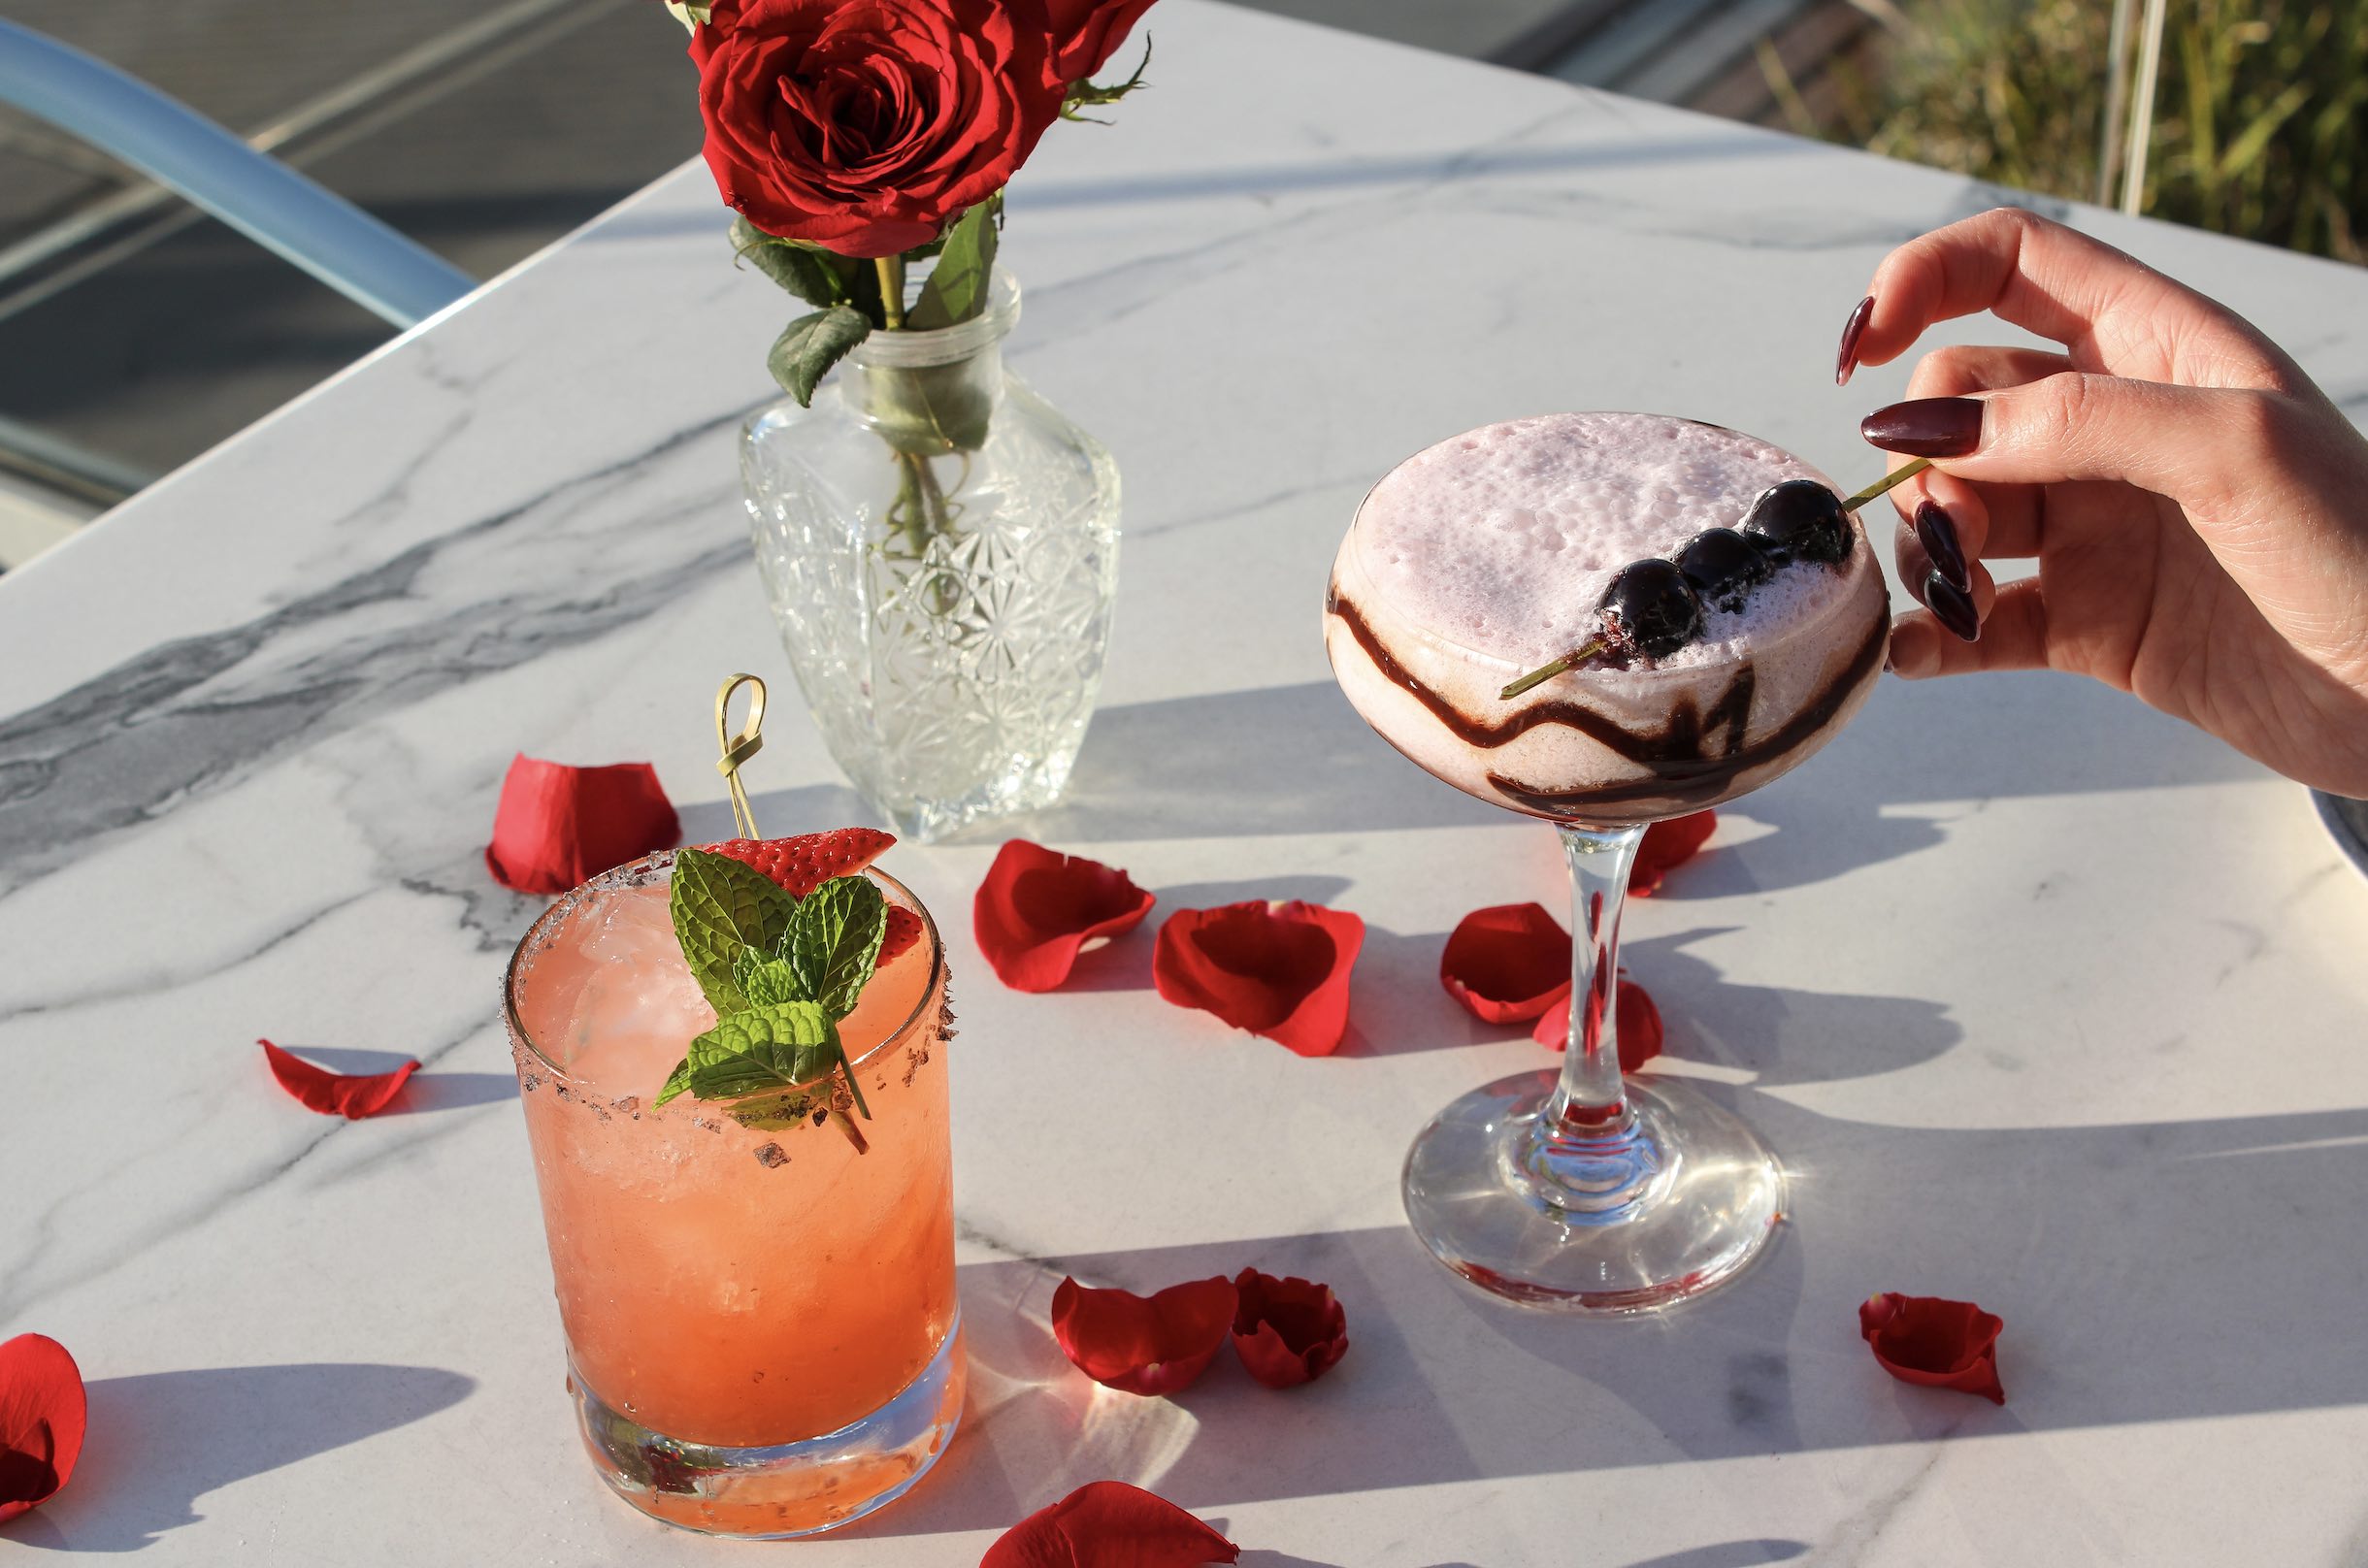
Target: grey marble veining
(2046, 1000)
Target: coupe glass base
(785, 1489)
(1693, 1196)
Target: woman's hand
(2198, 509)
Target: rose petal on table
(42, 1413)
(1639, 1019)
(1277, 970)
(1037, 908)
(1288, 1330)
(1148, 1345)
(1109, 1524)
(351, 1096)
(1934, 1343)
(1668, 844)
(557, 824)
(1506, 964)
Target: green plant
(2255, 113)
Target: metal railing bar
(456, 45)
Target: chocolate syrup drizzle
(1683, 766)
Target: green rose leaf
(691, 14)
(816, 277)
(763, 1048)
(721, 908)
(957, 287)
(809, 347)
(834, 941)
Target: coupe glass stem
(1586, 1154)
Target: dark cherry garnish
(1799, 520)
(1724, 565)
(1650, 610)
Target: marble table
(2048, 1000)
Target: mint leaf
(833, 940)
(767, 981)
(957, 287)
(720, 907)
(676, 1082)
(809, 347)
(778, 1047)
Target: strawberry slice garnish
(904, 931)
(804, 861)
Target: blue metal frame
(377, 267)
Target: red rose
(1086, 33)
(865, 126)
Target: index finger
(2112, 313)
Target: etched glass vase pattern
(940, 548)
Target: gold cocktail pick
(1580, 655)
(738, 748)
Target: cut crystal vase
(940, 548)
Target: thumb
(2193, 444)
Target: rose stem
(1572, 660)
(892, 291)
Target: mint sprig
(781, 972)
(721, 908)
(834, 941)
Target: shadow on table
(2154, 1272)
(1297, 759)
(159, 1442)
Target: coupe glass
(1577, 1189)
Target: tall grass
(2260, 116)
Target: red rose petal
(1109, 1524)
(1148, 1345)
(351, 1096)
(558, 825)
(1281, 971)
(1934, 1343)
(1037, 908)
(1668, 844)
(43, 1414)
(1086, 33)
(1639, 1019)
(1287, 1331)
(1507, 964)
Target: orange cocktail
(761, 1319)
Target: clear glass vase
(940, 548)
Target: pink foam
(1502, 539)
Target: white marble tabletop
(2048, 1001)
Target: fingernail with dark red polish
(1926, 427)
(1851, 330)
(1951, 608)
(1938, 536)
